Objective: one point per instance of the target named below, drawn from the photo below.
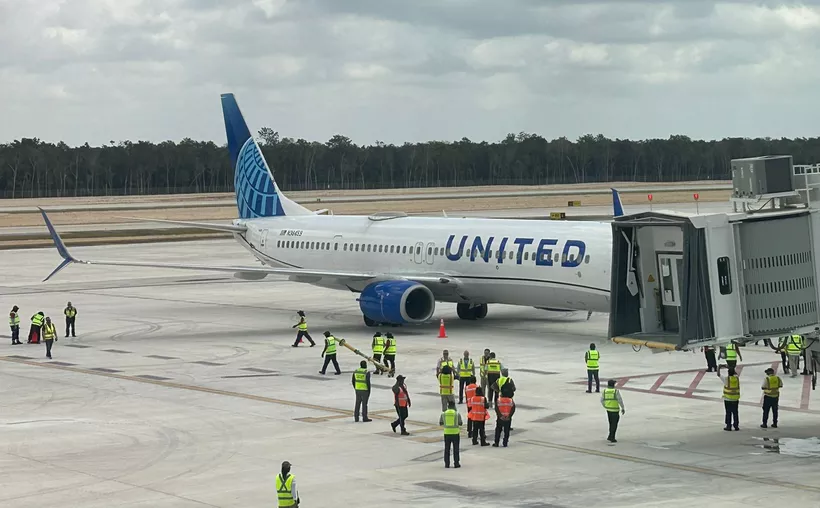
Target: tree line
(33, 168)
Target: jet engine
(396, 302)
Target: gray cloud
(95, 70)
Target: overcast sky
(408, 70)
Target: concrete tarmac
(182, 390)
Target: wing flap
(230, 228)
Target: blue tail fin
(256, 192)
(617, 207)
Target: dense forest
(32, 168)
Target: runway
(183, 390)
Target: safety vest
(611, 400)
(731, 352)
(360, 375)
(465, 370)
(37, 320)
(732, 392)
(402, 397)
(447, 362)
(493, 366)
(482, 365)
(445, 384)
(450, 422)
(391, 350)
(378, 345)
(795, 345)
(284, 490)
(774, 384)
(14, 319)
(478, 413)
(70, 312)
(49, 331)
(331, 345)
(469, 392)
(505, 405)
(501, 382)
(592, 359)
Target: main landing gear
(372, 323)
(470, 311)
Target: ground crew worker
(711, 359)
(482, 369)
(493, 373)
(794, 347)
(731, 397)
(286, 492)
(478, 416)
(732, 355)
(771, 397)
(612, 402)
(466, 372)
(401, 401)
(445, 360)
(591, 358)
(37, 321)
(504, 411)
(14, 324)
(784, 358)
(49, 335)
(469, 393)
(361, 384)
(505, 386)
(329, 353)
(378, 349)
(70, 317)
(445, 387)
(390, 353)
(452, 422)
(303, 331)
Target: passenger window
(391, 248)
(404, 250)
(357, 247)
(344, 247)
(526, 256)
(586, 259)
(418, 250)
(429, 251)
(512, 253)
(336, 246)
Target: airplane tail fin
(257, 194)
(617, 207)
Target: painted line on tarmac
(427, 426)
(672, 465)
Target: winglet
(58, 243)
(617, 207)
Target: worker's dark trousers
(461, 384)
(49, 343)
(328, 359)
(785, 360)
(492, 395)
(362, 397)
(15, 334)
(731, 412)
(469, 424)
(479, 431)
(770, 403)
(593, 374)
(378, 358)
(502, 425)
(453, 440)
(69, 323)
(711, 361)
(402, 413)
(731, 364)
(614, 418)
(304, 334)
(390, 362)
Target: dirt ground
(417, 206)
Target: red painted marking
(658, 383)
(669, 373)
(719, 399)
(804, 398)
(621, 381)
(694, 384)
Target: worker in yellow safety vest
(70, 312)
(37, 321)
(445, 360)
(49, 335)
(14, 324)
(771, 397)
(794, 347)
(493, 373)
(361, 383)
(303, 330)
(329, 353)
(445, 382)
(286, 494)
(731, 397)
(613, 402)
(482, 370)
(733, 355)
(378, 349)
(451, 420)
(591, 358)
(466, 370)
(390, 353)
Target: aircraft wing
(433, 280)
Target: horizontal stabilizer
(230, 228)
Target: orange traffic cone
(442, 333)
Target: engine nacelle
(397, 302)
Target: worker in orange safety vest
(504, 411)
(479, 415)
(469, 393)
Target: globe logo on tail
(256, 195)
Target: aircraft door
(417, 252)
(670, 268)
(431, 253)
(263, 237)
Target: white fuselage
(569, 271)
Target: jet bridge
(682, 281)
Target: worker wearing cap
(49, 335)
(466, 371)
(401, 401)
(361, 383)
(390, 353)
(711, 360)
(70, 317)
(612, 402)
(303, 330)
(378, 349)
(329, 353)
(286, 492)
(731, 397)
(591, 358)
(14, 324)
(445, 360)
(445, 387)
(771, 396)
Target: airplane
(399, 265)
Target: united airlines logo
(255, 193)
(572, 251)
